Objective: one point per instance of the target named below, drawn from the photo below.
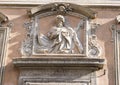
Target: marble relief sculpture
(60, 39)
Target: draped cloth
(60, 40)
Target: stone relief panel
(58, 39)
(55, 37)
(55, 32)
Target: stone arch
(62, 8)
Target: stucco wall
(106, 18)
(17, 16)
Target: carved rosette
(61, 8)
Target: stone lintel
(89, 63)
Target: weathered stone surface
(93, 63)
(67, 71)
(83, 2)
(58, 75)
(69, 7)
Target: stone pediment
(62, 8)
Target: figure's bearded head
(60, 18)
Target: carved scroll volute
(26, 48)
(95, 49)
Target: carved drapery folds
(61, 39)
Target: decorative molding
(95, 49)
(116, 55)
(116, 40)
(3, 44)
(60, 70)
(50, 83)
(91, 63)
(26, 48)
(62, 8)
(80, 2)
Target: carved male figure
(61, 38)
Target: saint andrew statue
(60, 39)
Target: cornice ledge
(91, 63)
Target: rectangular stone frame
(86, 30)
(117, 56)
(3, 44)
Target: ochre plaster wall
(17, 16)
(17, 34)
(106, 18)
